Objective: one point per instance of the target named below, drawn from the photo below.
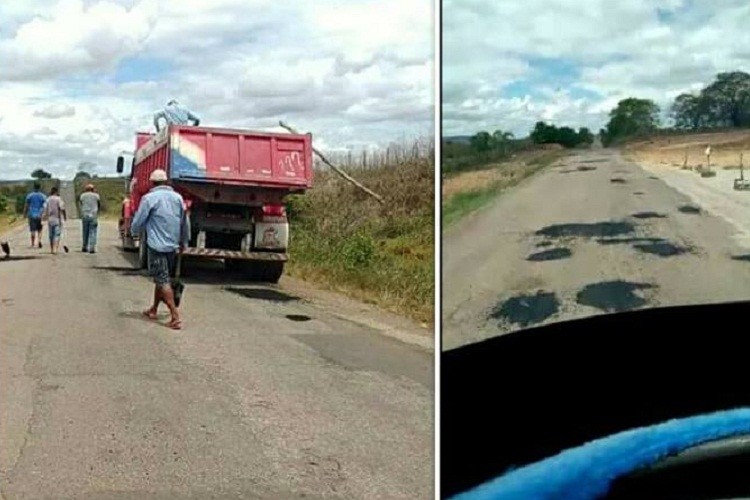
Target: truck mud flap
(234, 254)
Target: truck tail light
(274, 211)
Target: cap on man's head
(172, 101)
(158, 175)
(89, 187)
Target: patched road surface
(594, 234)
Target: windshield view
(592, 161)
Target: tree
(40, 174)
(501, 140)
(481, 142)
(729, 98)
(82, 175)
(585, 136)
(690, 111)
(631, 117)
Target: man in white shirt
(54, 212)
(90, 206)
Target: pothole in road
(262, 294)
(544, 244)
(585, 169)
(618, 180)
(627, 241)
(298, 317)
(587, 230)
(662, 249)
(649, 215)
(638, 193)
(653, 177)
(744, 258)
(613, 296)
(525, 310)
(689, 209)
(551, 254)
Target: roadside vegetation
(474, 171)
(722, 105)
(380, 253)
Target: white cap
(158, 175)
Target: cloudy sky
(77, 78)
(510, 63)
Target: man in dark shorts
(161, 213)
(33, 209)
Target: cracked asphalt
(263, 394)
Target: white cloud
(353, 73)
(56, 111)
(618, 49)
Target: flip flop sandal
(175, 325)
(150, 315)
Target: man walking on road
(33, 210)
(90, 206)
(161, 212)
(54, 212)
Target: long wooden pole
(335, 168)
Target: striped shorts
(161, 266)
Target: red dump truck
(233, 182)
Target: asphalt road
(593, 234)
(263, 394)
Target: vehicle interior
(526, 396)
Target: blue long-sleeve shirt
(162, 215)
(176, 115)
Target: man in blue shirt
(175, 114)
(161, 214)
(33, 209)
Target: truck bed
(227, 156)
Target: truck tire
(271, 271)
(142, 253)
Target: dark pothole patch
(649, 215)
(743, 258)
(690, 209)
(525, 310)
(638, 193)
(618, 180)
(613, 296)
(262, 294)
(662, 249)
(587, 230)
(653, 177)
(586, 169)
(628, 241)
(544, 244)
(551, 254)
(298, 317)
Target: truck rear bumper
(235, 254)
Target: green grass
(382, 254)
(463, 203)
